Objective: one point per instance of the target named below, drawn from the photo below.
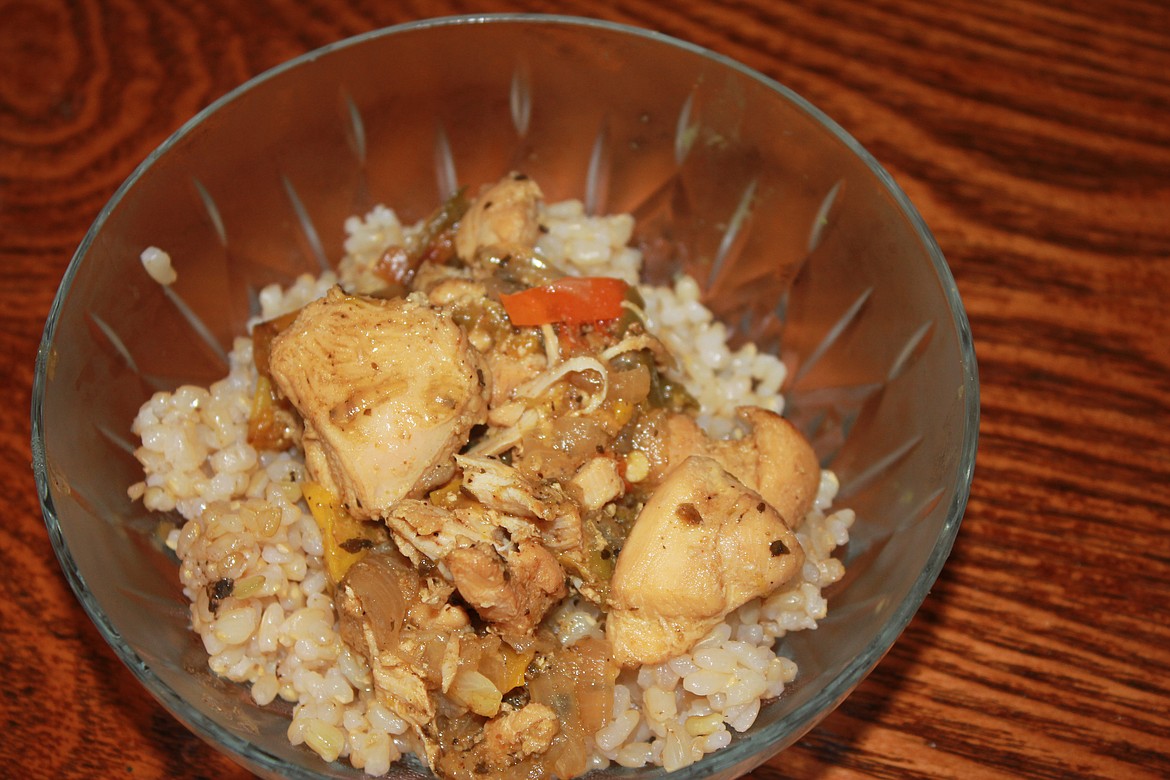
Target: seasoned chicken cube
(505, 214)
(597, 483)
(773, 458)
(703, 545)
(382, 421)
(511, 592)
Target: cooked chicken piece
(513, 592)
(401, 687)
(597, 483)
(499, 486)
(506, 213)
(773, 459)
(510, 579)
(411, 637)
(527, 508)
(703, 545)
(381, 422)
(442, 618)
(512, 358)
(514, 736)
(423, 529)
(451, 290)
(503, 416)
(431, 276)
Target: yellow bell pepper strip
(346, 539)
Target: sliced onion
(476, 692)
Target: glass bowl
(799, 239)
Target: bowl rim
(804, 716)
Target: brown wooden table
(1035, 139)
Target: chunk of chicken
(703, 545)
(506, 214)
(511, 370)
(422, 529)
(512, 358)
(773, 458)
(452, 289)
(511, 592)
(597, 483)
(445, 284)
(514, 736)
(420, 648)
(389, 391)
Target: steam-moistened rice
(252, 556)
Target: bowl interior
(799, 239)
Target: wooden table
(1035, 139)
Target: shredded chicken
(704, 545)
(510, 372)
(381, 422)
(498, 562)
(499, 486)
(373, 604)
(581, 363)
(424, 531)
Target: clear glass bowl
(799, 238)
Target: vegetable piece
(571, 300)
(262, 335)
(435, 242)
(272, 423)
(476, 692)
(345, 538)
(515, 666)
(499, 662)
(516, 268)
(384, 586)
(632, 315)
(577, 684)
(594, 566)
(664, 392)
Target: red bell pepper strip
(570, 300)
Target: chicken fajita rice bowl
(482, 497)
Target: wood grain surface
(1034, 138)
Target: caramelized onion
(385, 585)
